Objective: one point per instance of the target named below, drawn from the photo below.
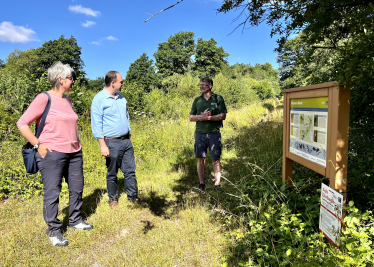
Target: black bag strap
(215, 98)
(41, 124)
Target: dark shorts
(208, 140)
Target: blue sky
(113, 34)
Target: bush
(263, 89)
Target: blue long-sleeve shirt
(109, 115)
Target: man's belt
(126, 136)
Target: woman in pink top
(59, 152)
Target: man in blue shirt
(110, 125)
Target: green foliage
(65, 50)
(14, 181)
(236, 92)
(133, 92)
(95, 85)
(334, 44)
(209, 59)
(361, 169)
(301, 64)
(183, 85)
(19, 61)
(174, 56)
(37, 61)
(143, 72)
(263, 89)
(281, 225)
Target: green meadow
(254, 220)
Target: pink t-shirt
(60, 130)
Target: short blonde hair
(59, 70)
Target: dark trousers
(121, 157)
(53, 167)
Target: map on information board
(308, 129)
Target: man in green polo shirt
(208, 110)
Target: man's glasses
(203, 85)
(70, 78)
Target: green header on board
(316, 102)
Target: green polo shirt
(200, 104)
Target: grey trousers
(53, 167)
(121, 156)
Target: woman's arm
(35, 110)
(30, 137)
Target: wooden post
(338, 162)
(287, 163)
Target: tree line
(173, 76)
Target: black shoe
(202, 187)
(217, 187)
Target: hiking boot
(202, 187)
(113, 204)
(59, 241)
(82, 226)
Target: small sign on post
(331, 214)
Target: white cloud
(84, 10)
(16, 34)
(88, 23)
(111, 38)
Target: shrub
(263, 89)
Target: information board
(331, 214)
(308, 128)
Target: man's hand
(42, 149)
(105, 151)
(205, 114)
(104, 148)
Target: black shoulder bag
(28, 151)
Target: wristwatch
(36, 146)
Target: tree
(143, 72)
(344, 26)
(174, 56)
(18, 61)
(209, 59)
(336, 43)
(65, 50)
(37, 61)
(301, 64)
(96, 84)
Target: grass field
(176, 226)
